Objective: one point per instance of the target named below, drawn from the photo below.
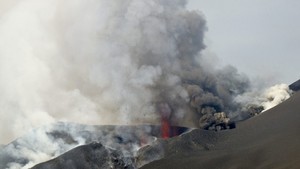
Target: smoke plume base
(258, 101)
(50, 141)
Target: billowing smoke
(275, 95)
(110, 62)
(47, 142)
(256, 101)
(36, 147)
(106, 62)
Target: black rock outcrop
(295, 86)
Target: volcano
(141, 70)
(269, 140)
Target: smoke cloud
(110, 62)
(101, 62)
(47, 142)
(257, 101)
(275, 95)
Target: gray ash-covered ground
(90, 156)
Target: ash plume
(100, 62)
(109, 62)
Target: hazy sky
(259, 37)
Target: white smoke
(262, 100)
(37, 147)
(92, 62)
(45, 143)
(275, 95)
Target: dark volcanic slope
(91, 156)
(268, 141)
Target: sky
(259, 37)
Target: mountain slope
(93, 156)
(270, 140)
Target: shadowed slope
(270, 140)
(295, 86)
(94, 156)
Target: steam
(31, 149)
(257, 101)
(275, 95)
(47, 142)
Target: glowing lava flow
(165, 112)
(165, 128)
